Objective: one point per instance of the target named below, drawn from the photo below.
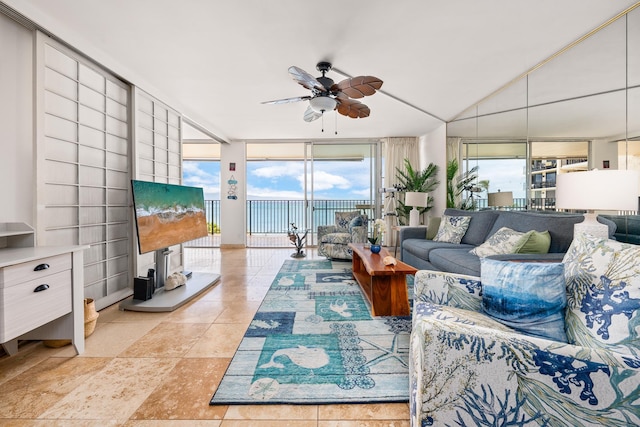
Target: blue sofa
(424, 254)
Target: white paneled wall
(158, 158)
(82, 166)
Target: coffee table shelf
(384, 287)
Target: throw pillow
(534, 242)
(603, 291)
(357, 221)
(529, 297)
(503, 241)
(452, 229)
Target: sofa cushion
(503, 241)
(337, 238)
(603, 290)
(452, 229)
(455, 260)
(356, 221)
(528, 297)
(559, 225)
(343, 219)
(534, 242)
(481, 223)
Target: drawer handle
(41, 288)
(41, 267)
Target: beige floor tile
(167, 340)
(173, 423)
(268, 423)
(115, 392)
(365, 423)
(111, 339)
(35, 390)
(373, 411)
(185, 392)
(272, 412)
(239, 312)
(220, 340)
(199, 311)
(29, 355)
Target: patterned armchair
(469, 368)
(350, 227)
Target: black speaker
(142, 288)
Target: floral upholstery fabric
(468, 369)
(603, 285)
(503, 241)
(452, 229)
(333, 239)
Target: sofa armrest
(454, 290)
(327, 229)
(462, 370)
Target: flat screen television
(167, 214)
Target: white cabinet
(41, 290)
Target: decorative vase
(375, 249)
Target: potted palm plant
(410, 179)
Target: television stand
(170, 300)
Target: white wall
(233, 211)
(432, 148)
(16, 123)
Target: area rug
(314, 341)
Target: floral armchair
(350, 227)
(469, 368)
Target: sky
(284, 180)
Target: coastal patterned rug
(314, 341)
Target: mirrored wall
(579, 110)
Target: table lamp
(416, 200)
(597, 190)
(500, 199)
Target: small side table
(397, 229)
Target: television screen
(167, 214)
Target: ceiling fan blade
(287, 100)
(360, 86)
(311, 115)
(353, 109)
(306, 79)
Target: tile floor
(160, 369)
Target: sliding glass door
(339, 177)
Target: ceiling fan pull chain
(322, 113)
(336, 125)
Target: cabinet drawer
(25, 309)
(26, 271)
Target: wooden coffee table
(385, 287)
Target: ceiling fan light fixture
(320, 104)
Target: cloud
(278, 170)
(195, 175)
(327, 181)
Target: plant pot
(375, 249)
(90, 320)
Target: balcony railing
(269, 220)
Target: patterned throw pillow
(603, 291)
(503, 241)
(529, 297)
(452, 229)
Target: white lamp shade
(412, 198)
(501, 198)
(616, 190)
(320, 104)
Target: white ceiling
(215, 61)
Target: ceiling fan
(327, 95)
